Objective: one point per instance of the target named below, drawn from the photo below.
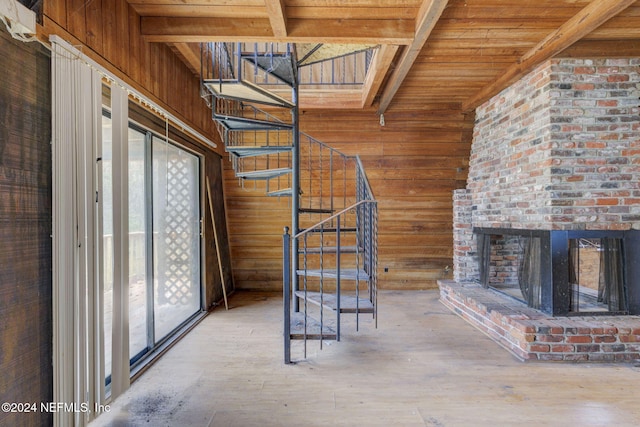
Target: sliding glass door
(164, 287)
(176, 231)
(139, 277)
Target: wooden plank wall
(414, 163)
(256, 224)
(110, 29)
(214, 292)
(26, 319)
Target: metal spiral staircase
(333, 238)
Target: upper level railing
(217, 61)
(220, 61)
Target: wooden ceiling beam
(277, 17)
(428, 16)
(201, 10)
(197, 29)
(377, 71)
(350, 11)
(190, 53)
(357, 31)
(584, 22)
(603, 49)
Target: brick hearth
(532, 335)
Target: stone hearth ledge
(530, 334)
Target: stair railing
(320, 165)
(342, 246)
(326, 259)
(216, 63)
(347, 71)
(367, 226)
(324, 175)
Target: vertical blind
(73, 131)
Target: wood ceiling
(432, 51)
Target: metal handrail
(315, 76)
(326, 146)
(364, 255)
(365, 179)
(364, 258)
(332, 217)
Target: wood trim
(584, 22)
(428, 16)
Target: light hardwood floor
(423, 366)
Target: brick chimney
(558, 150)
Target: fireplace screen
(563, 272)
(512, 265)
(596, 275)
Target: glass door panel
(176, 236)
(138, 281)
(107, 243)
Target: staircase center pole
(295, 188)
(287, 295)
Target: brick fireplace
(555, 161)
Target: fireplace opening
(564, 273)
(513, 266)
(596, 275)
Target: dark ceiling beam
(584, 22)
